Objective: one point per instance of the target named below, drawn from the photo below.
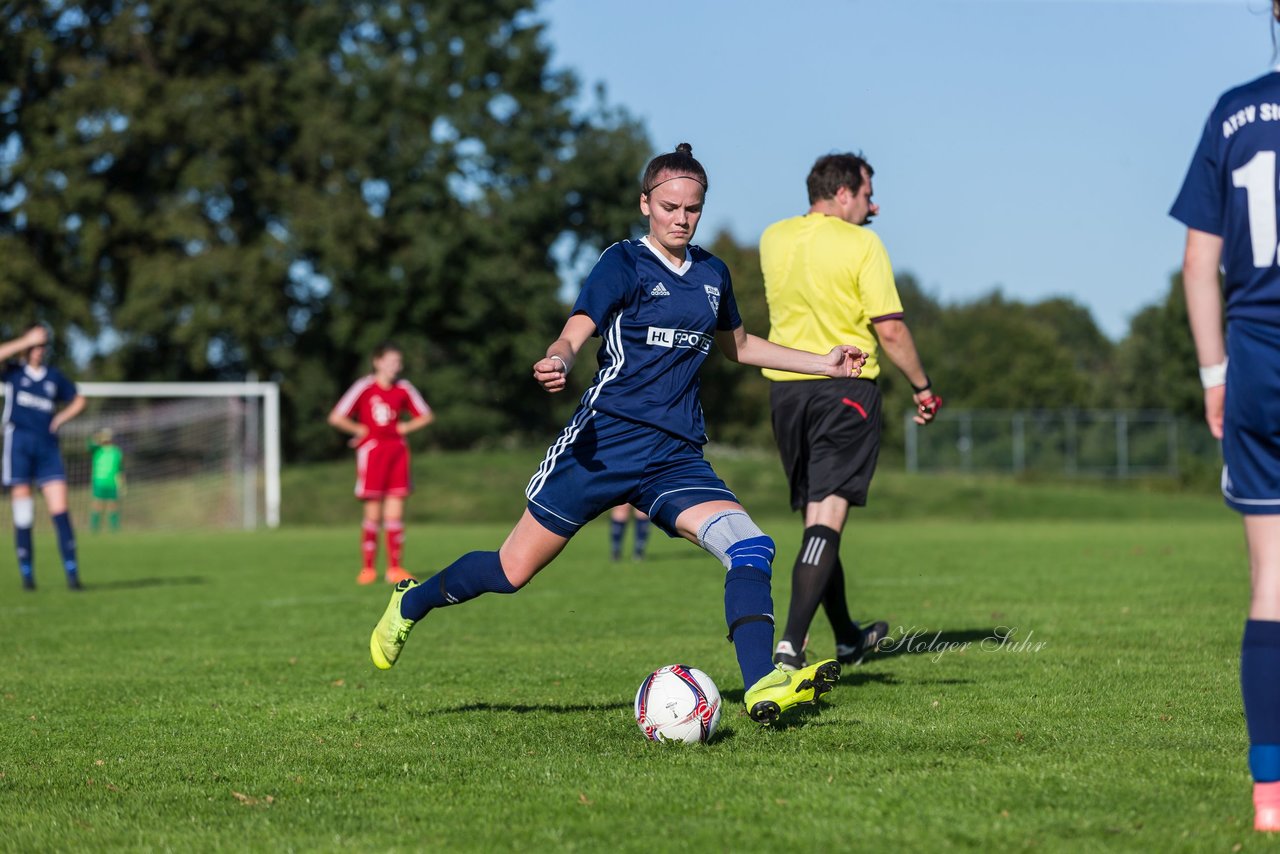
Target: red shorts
(382, 469)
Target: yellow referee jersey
(827, 282)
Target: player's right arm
(34, 337)
(552, 370)
(1204, 309)
(340, 416)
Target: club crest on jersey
(659, 290)
(713, 297)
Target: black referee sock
(819, 554)
(847, 632)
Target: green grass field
(213, 692)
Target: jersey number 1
(1258, 178)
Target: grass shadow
(137, 583)
(525, 708)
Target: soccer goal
(195, 455)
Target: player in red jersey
(370, 412)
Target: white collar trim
(679, 271)
(36, 374)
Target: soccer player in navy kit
(33, 392)
(1228, 203)
(658, 303)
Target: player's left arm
(71, 410)
(417, 422)
(1204, 310)
(738, 345)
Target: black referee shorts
(828, 434)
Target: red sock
(369, 543)
(395, 540)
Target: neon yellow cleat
(392, 630)
(781, 689)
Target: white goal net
(195, 455)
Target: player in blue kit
(32, 393)
(658, 303)
(1228, 203)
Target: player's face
(673, 209)
(859, 209)
(388, 366)
(35, 356)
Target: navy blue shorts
(600, 461)
(31, 458)
(1251, 423)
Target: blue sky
(1029, 145)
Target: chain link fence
(1073, 442)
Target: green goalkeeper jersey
(106, 465)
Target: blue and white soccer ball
(678, 703)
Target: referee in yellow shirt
(828, 281)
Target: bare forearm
(900, 346)
(345, 424)
(74, 408)
(416, 423)
(758, 352)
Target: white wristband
(1213, 375)
(564, 366)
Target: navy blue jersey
(31, 396)
(1230, 191)
(658, 323)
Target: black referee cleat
(871, 638)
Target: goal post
(267, 433)
(195, 454)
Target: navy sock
(26, 554)
(747, 594)
(642, 536)
(466, 578)
(66, 542)
(616, 530)
(1259, 666)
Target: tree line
(197, 191)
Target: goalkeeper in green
(106, 479)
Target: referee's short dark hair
(833, 171)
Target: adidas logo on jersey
(659, 290)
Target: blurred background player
(828, 280)
(106, 479)
(33, 391)
(618, 517)
(1228, 203)
(659, 304)
(370, 411)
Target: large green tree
(201, 190)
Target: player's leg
(397, 487)
(95, 514)
(1259, 664)
(567, 491)
(113, 514)
(393, 525)
(841, 431)
(24, 514)
(528, 548)
(55, 498)
(617, 529)
(811, 576)
(641, 537)
(725, 530)
(370, 522)
(19, 471)
(369, 490)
